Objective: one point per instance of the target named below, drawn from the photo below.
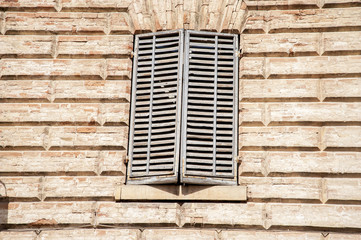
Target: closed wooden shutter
(155, 111)
(210, 108)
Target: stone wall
(65, 73)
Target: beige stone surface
(47, 67)
(95, 45)
(92, 234)
(283, 89)
(278, 136)
(116, 90)
(65, 112)
(22, 187)
(84, 4)
(49, 213)
(63, 162)
(344, 236)
(313, 112)
(301, 19)
(315, 215)
(10, 235)
(59, 22)
(26, 45)
(137, 213)
(179, 234)
(336, 88)
(281, 44)
(65, 73)
(341, 42)
(81, 187)
(28, 4)
(269, 235)
(224, 214)
(299, 162)
(342, 136)
(26, 89)
(343, 189)
(282, 188)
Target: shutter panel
(155, 111)
(210, 109)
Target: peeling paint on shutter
(155, 112)
(210, 108)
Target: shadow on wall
(4, 204)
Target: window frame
(180, 141)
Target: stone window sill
(180, 193)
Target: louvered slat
(155, 112)
(209, 108)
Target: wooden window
(183, 125)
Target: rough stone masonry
(65, 74)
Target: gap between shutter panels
(207, 153)
(209, 104)
(154, 147)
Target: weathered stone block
(26, 45)
(81, 187)
(179, 234)
(153, 214)
(22, 187)
(224, 214)
(343, 189)
(278, 136)
(315, 215)
(269, 235)
(342, 137)
(92, 89)
(278, 89)
(95, 45)
(50, 213)
(282, 188)
(57, 22)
